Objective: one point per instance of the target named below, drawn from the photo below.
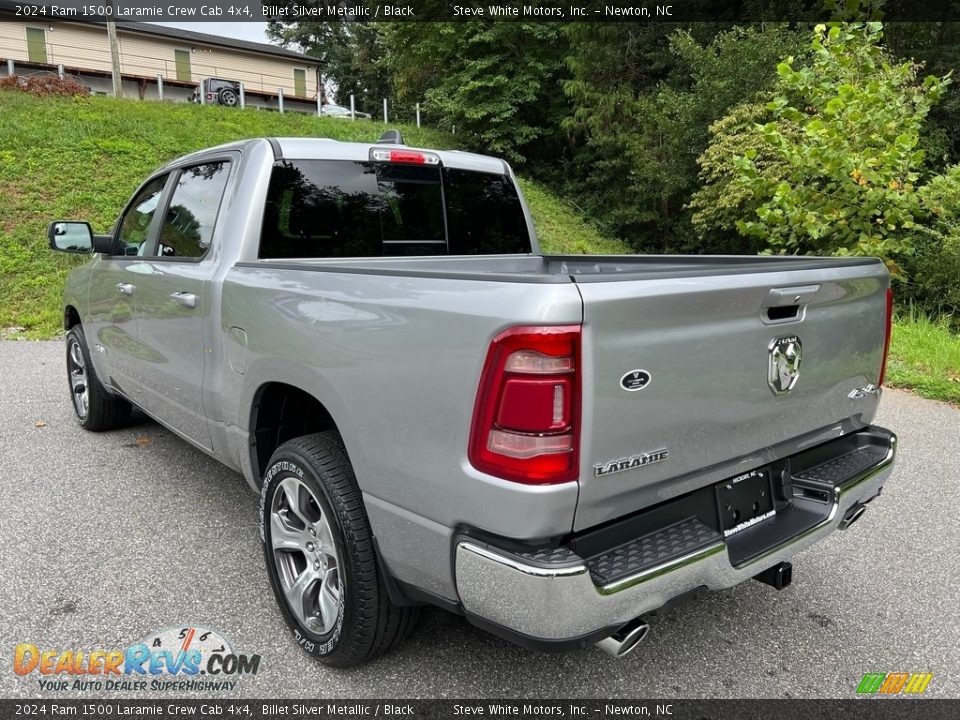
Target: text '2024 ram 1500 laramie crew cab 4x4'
(434, 412)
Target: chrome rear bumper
(560, 601)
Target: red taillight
(886, 337)
(526, 422)
(403, 156)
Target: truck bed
(702, 327)
(566, 268)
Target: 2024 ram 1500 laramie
(434, 412)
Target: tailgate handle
(786, 304)
(800, 295)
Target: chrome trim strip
(515, 564)
(662, 569)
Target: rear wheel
(95, 408)
(320, 555)
(228, 97)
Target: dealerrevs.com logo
(175, 659)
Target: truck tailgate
(705, 399)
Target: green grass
(561, 230)
(925, 357)
(82, 158)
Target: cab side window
(191, 215)
(135, 227)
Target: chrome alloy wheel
(77, 373)
(306, 556)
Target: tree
(845, 131)
(644, 95)
(350, 54)
(495, 84)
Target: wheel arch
(71, 317)
(279, 412)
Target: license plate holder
(744, 500)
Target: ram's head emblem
(785, 354)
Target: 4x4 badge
(784, 364)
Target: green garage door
(182, 58)
(36, 45)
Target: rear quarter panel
(396, 361)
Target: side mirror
(70, 236)
(77, 237)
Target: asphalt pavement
(106, 538)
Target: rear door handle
(186, 299)
(126, 288)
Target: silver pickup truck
(433, 412)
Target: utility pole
(114, 56)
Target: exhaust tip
(853, 514)
(625, 640)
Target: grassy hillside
(82, 159)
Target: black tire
(367, 624)
(101, 410)
(228, 97)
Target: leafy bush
(721, 201)
(934, 270)
(845, 133)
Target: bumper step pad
(556, 557)
(836, 471)
(648, 551)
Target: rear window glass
(341, 208)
